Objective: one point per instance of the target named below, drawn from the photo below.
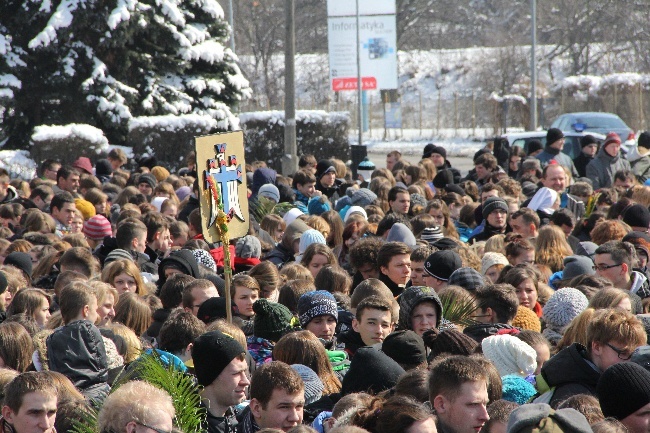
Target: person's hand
(317, 193)
(328, 424)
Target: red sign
(367, 83)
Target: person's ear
(8, 414)
(440, 404)
(130, 427)
(596, 348)
(85, 312)
(355, 324)
(256, 408)
(383, 269)
(188, 349)
(625, 268)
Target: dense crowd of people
(412, 298)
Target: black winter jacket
(570, 373)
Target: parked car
(571, 140)
(601, 123)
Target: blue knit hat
(309, 237)
(517, 389)
(318, 205)
(314, 304)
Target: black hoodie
(183, 260)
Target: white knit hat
(291, 215)
(510, 355)
(490, 259)
(355, 209)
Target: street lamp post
(533, 67)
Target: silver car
(601, 123)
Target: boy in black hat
(589, 146)
(438, 156)
(495, 213)
(220, 367)
(553, 151)
(326, 181)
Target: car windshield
(600, 122)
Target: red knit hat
(97, 228)
(612, 137)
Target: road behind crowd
(462, 163)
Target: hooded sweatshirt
(411, 298)
(12, 195)
(283, 251)
(181, 259)
(639, 159)
(601, 170)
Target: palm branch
(180, 386)
(88, 422)
(459, 310)
(262, 206)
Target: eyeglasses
(603, 267)
(157, 430)
(622, 354)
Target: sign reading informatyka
(222, 184)
(378, 44)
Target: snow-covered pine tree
(103, 62)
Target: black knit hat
(534, 146)
(445, 244)
(213, 309)
(644, 140)
(442, 264)
(405, 347)
(324, 166)
(440, 151)
(623, 389)
(385, 372)
(553, 135)
(637, 215)
(21, 261)
(211, 353)
(492, 204)
(103, 167)
(448, 341)
(467, 278)
(455, 188)
(428, 150)
(272, 320)
(587, 140)
(443, 178)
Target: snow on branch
(62, 18)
